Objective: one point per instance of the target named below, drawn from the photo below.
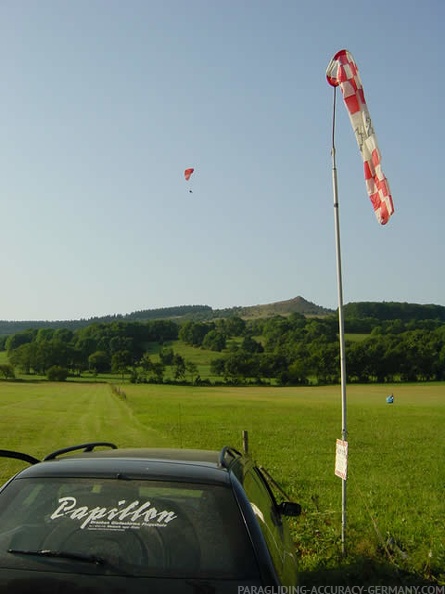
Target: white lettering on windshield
(128, 514)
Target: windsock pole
(340, 319)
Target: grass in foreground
(395, 489)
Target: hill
(361, 310)
(283, 308)
(178, 313)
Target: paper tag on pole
(341, 459)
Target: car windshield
(140, 527)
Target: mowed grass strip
(40, 417)
(396, 482)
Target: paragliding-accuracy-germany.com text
(431, 589)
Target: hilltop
(178, 313)
(283, 308)
(197, 313)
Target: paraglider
(187, 174)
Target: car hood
(32, 582)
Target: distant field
(395, 488)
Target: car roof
(182, 465)
(209, 457)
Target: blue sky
(104, 103)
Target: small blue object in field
(390, 399)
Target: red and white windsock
(342, 72)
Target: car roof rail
(226, 453)
(18, 456)
(86, 447)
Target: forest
(383, 343)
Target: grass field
(395, 530)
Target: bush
(7, 370)
(57, 373)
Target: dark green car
(93, 520)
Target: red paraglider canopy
(188, 173)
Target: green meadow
(395, 526)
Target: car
(94, 518)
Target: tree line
(283, 350)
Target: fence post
(246, 442)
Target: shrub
(57, 373)
(7, 370)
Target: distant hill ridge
(295, 305)
(376, 310)
(177, 313)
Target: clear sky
(104, 103)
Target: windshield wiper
(95, 559)
(61, 554)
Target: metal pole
(340, 321)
